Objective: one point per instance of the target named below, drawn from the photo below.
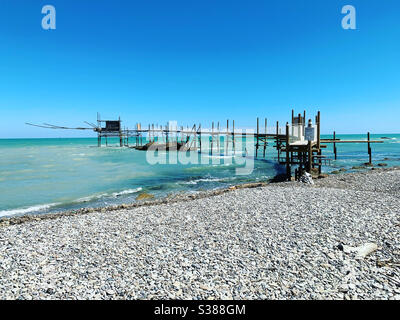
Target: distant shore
(286, 240)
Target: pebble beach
(274, 241)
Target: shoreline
(285, 240)
(183, 196)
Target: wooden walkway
(300, 145)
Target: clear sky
(199, 61)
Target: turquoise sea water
(50, 175)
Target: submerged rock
(144, 196)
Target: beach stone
(366, 249)
(278, 241)
(306, 178)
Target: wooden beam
(334, 145)
(369, 149)
(258, 132)
(319, 130)
(265, 141)
(288, 169)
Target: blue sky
(199, 61)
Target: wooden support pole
(99, 132)
(288, 169)
(292, 116)
(257, 136)
(136, 134)
(309, 162)
(369, 149)
(265, 141)
(233, 136)
(227, 137)
(141, 135)
(334, 145)
(219, 150)
(200, 136)
(167, 135)
(148, 134)
(212, 137)
(319, 161)
(195, 137)
(120, 133)
(277, 140)
(319, 131)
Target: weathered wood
(369, 149)
(257, 136)
(265, 141)
(309, 153)
(212, 137)
(334, 145)
(200, 137)
(319, 130)
(195, 138)
(288, 169)
(350, 141)
(233, 137)
(218, 138)
(120, 133)
(277, 140)
(297, 150)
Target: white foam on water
(128, 191)
(219, 157)
(90, 198)
(103, 195)
(196, 181)
(31, 209)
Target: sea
(39, 176)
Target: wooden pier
(297, 145)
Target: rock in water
(144, 196)
(306, 178)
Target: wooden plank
(288, 169)
(351, 141)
